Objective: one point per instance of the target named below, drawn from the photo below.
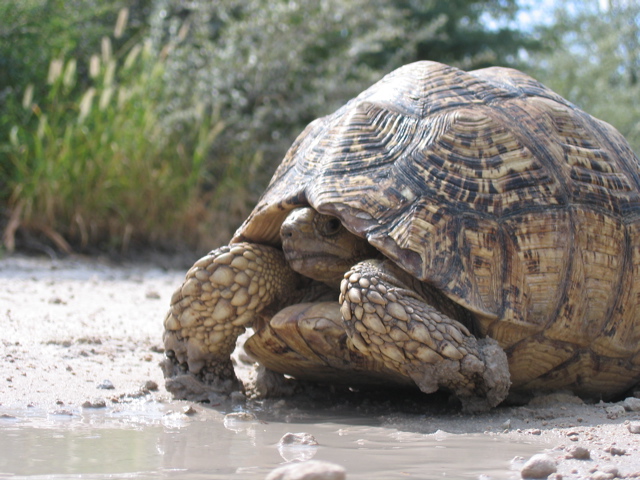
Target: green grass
(95, 167)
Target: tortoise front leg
(222, 294)
(388, 319)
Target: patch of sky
(540, 13)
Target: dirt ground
(86, 332)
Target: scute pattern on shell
(498, 192)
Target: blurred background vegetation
(154, 125)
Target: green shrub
(593, 60)
(95, 167)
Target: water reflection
(152, 441)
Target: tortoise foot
(222, 293)
(211, 383)
(388, 320)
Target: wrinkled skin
(385, 328)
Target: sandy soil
(87, 332)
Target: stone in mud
(615, 411)
(613, 450)
(239, 421)
(297, 447)
(297, 439)
(631, 404)
(598, 475)
(95, 403)
(310, 470)
(578, 452)
(606, 472)
(189, 410)
(634, 427)
(150, 386)
(106, 385)
(240, 417)
(538, 466)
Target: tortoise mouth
(322, 266)
(301, 250)
(315, 260)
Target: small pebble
(614, 411)
(106, 385)
(601, 476)
(97, 403)
(606, 472)
(578, 452)
(297, 447)
(310, 470)
(64, 412)
(298, 439)
(613, 450)
(539, 466)
(150, 386)
(152, 295)
(239, 421)
(631, 404)
(189, 410)
(240, 416)
(506, 425)
(634, 427)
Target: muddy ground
(86, 333)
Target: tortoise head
(319, 247)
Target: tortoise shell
(498, 192)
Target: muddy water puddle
(151, 440)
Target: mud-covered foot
(222, 294)
(388, 319)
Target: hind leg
(308, 341)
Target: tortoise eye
(330, 227)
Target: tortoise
(467, 231)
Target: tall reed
(93, 166)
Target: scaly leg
(308, 341)
(388, 319)
(222, 294)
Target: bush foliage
(95, 167)
(593, 59)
